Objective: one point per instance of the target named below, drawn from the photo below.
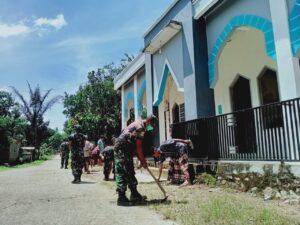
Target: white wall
(172, 95)
(243, 54)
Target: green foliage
(34, 110)
(96, 106)
(51, 146)
(12, 125)
(206, 179)
(6, 103)
(55, 140)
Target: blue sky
(55, 43)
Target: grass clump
(206, 179)
(25, 165)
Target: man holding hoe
(128, 143)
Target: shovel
(159, 185)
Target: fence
(267, 133)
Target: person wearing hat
(128, 143)
(77, 142)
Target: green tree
(96, 105)
(12, 125)
(6, 103)
(34, 110)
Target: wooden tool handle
(157, 182)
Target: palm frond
(25, 106)
(43, 99)
(30, 90)
(50, 103)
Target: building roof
(163, 36)
(129, 71)
(161, 17)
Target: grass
(197, 206)
(201, 205)
(25, 165)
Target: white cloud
(57, 22)
(13, 29)
(40, 26)
(5, 88)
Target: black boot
(106, 178)
(136, 197)
(123, 200)
(76, 180)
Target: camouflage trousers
(64, 160)
(108, 166)
(125, 175)
(77, 163)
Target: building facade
(206, 58)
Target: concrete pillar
(190, 99)
(287, 64)
(149, 91)
(122, 107)
(135, 93)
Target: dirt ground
(44, 195)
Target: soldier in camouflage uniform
(77, 142)
(107, 155)
(64, 154)
(128, 143)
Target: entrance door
(245, 137)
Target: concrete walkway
(44, 195)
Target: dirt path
(44, 195)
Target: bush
(206, 179)
(45, 151)
(55, 140)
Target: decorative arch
(140, 96)
(129, 97)
(253, 21)
(167, 69)
(294, 22)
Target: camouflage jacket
(108, 153)
(64, 148)
(124, 147)
(77, 141)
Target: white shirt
(86, 149)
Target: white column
(148, 69)
(122, 107)
(287, 64)
(135, 93)
(190, 98)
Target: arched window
(175, 113)
(268, 89)
(241, 94)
